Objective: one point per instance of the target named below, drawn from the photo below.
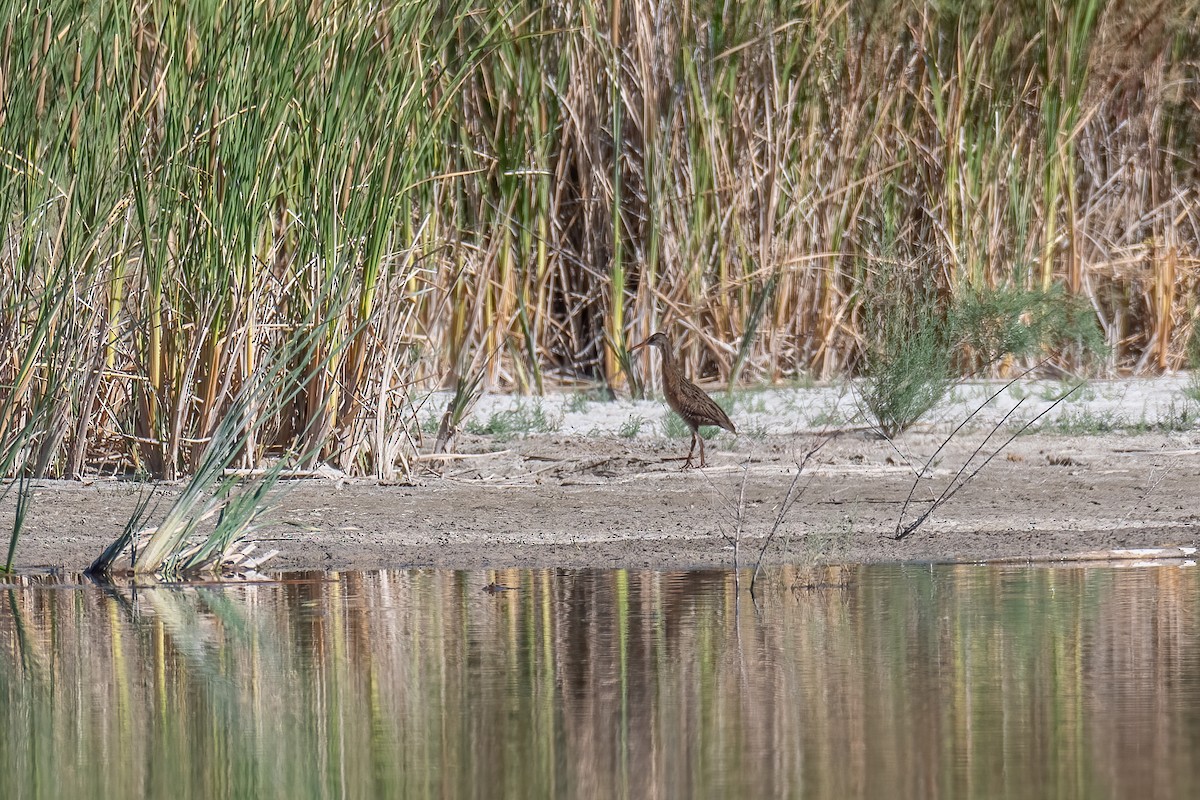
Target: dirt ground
(603, 501)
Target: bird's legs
(696, 437)
(688, 464)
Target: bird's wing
(703, 408)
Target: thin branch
(928, 464)
(789, 500)
(958, 481)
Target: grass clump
(631, 427)
(578, 402)
(1176, 417)
(1087, 423)
(522, 419)
(831, 415)
(1192, 390)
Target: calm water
(942, 682)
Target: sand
(591, 494)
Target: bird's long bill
(639, 345)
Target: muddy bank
(603, 500)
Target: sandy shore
(569, 500)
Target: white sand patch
(1100, 405)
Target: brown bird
(686, 398)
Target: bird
(686, 398)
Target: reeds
(504, 195)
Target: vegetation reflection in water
(884, 682)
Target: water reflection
(889, 681)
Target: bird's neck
(670, 372)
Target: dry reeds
(184, 187)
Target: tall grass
(524, 187)
(226, 177)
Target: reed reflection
(879, 682)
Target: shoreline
(600, 501)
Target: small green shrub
(919, 340)
(991, 324)
(576, 403)
(1192, 390)
(906, 369)
(631, 427)
(520, 420)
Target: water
(894, 681)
